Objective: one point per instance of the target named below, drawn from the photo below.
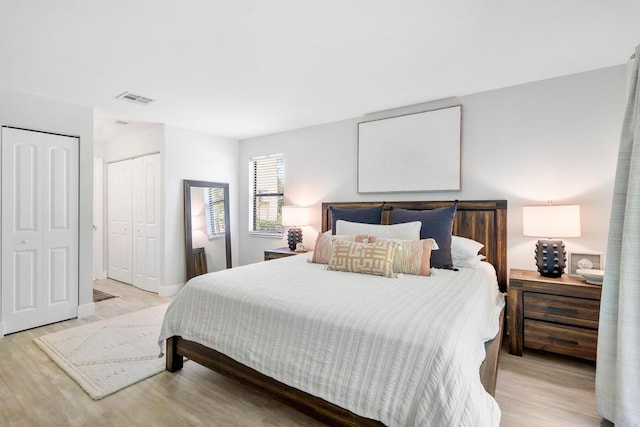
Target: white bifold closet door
(39, 228)
(119, 190)
(134, 221)
(146, 222)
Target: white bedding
(404, 351)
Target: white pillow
(404, 231)
(463, 248)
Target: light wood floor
(540, 389)
(534, 390)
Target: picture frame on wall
(414, 152)
(576, 260)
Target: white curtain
(618, 364)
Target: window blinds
(214, 212)
(267, 194)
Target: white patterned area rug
(109, 355)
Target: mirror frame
(188, 240)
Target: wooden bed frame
(482, 220)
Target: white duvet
(404, 351)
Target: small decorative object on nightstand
(270, 254)
(559, 315)
(551, 221)
(294, 217)
(591, 275)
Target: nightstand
(559, 315)
(270, 254)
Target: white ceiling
(242, 68)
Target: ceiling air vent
(138, 99)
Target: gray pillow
(436, 224)
(362, 215)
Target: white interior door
(39, 228)
(98, 232)
(147, 224)
(119, 218)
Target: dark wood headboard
(482, 220)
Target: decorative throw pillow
(463, 248)
(363, 215)
(412, 256)
(367, 258)
(324, 246)
(437, 224)
(406, 231)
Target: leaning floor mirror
(206, 227)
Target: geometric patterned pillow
(368, 258)
(412, 256)
(324, 246)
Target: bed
(351, 376)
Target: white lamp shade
(295, 216)
(551, 221)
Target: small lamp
(294, 217)
(551, 221)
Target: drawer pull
(563, 341)
(562, 310)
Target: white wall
(555, 139)
(146, 141)
(43, 114)
(196, 156)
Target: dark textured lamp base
(294, 236)
(551, 258)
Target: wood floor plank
(541, 389)
(534, 390)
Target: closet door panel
(22, 199)
(39, 228)
(119, 218)
(60, 228)
(99, 271)
(61, 211)
(153, 223)
(137, 187)
(146, 213)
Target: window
(267, 194)
(214, 211)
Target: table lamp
(552, 222)
(294, 217)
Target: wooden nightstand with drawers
(270, 254)
(559, 315)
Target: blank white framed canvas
(411, 153)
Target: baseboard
(169, 290)
(86, 310)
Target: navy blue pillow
(361, 215)
(437, 224)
